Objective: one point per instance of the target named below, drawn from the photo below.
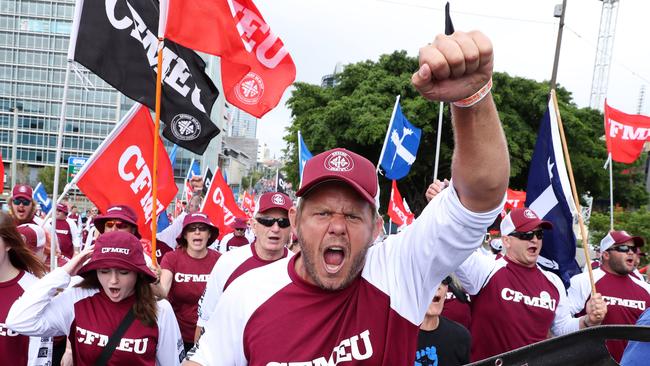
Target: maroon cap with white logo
(33, 236)
(522, 219)
(22, 191)
(343, 165)
(117, 212)
(198, 217)
(272, 200)
(62, 207)
(239, 223)
(118, 249)
(619, 237)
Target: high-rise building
(34, 38)
(242, 124)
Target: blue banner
(303, 153)
(549, 195)
(401, 147)
(41, 197)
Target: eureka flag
(303, 154)
(548, 194)
(400, 147)
(117, 41)
(625, 134)
(256, 68)
(121, 170)
(41, 197)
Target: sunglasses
(539, 234)
(268, 222)
(623, 249)
(200, 227)
(21, 201)
(121, 225)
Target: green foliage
(635, 222)
(354, 114)
(46, 176)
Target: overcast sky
(320, 33)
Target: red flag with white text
(514, 199)
(397, 212)
(220, 205)
(248, 204)
(625, 134)
(256, 68)
(121, 171)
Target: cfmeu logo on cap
(345, 166)
(522, 220)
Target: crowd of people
(316, 282)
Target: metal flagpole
(54, 242)
(390, 125)
(439, 132)
(14, 149)
(611, 192)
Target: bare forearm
(480, 165)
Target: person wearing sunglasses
(514, 301)
(22, 206)
(185, 271)
(272, 232)
(626, 295)
(237, 238)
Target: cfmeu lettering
(348, 350)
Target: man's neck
(605, 267)
(430, 323)
(268, 255)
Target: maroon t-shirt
(458, 311)
(13, 347)
(64, 235)
(188, 282)
(236, 241)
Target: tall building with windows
(242, 124)
(34, 38)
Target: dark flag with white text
(207, 180)
(118, 42)
(281, 183)
(549, 194)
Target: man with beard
(22, 206)
(341, 300)
(626, 295)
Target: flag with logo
(397, 212)
(248, 204)
(118, 42)
(256, 68)
(220, 205)
(193, 171)
(400, 146)
(281, 183)
(41, 197)
(514, 199)
(625, 134)
(207, 180)
(121, 170)
(549, 194)
(178, 207)
(303, 154)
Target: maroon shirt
(64, 235)
(188, 283)
(236, 241)
(458, 311)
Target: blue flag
(41, 197)
(172, 155)
(163, 221)
(400, 147)
(303, 153)
(549, 195)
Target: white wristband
(476, 97)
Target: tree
(46, 176)
(354, 114)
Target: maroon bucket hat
(198, 217)
(117, 212)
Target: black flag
(282, 185)
(117, 40)
(207, 180)
(449, 26)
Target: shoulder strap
(107, 352)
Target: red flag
(514, 199)
(256, 68)
(178, 209)
(625, 134)
(2, 174)
(396, 210)
(121, 172)
(248, 205)
(220, 205)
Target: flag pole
(574, 191)
(438, 137)
(390, 125)
(156, 137)
(611, 192)
(299, 158)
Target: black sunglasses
(199, 227)
(539, 233)
(623, 249)
(268, 222)
(21, 201)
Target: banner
(207, 180)
(400, 147)
(281, 183)
(397, 210)
(514, 199)
(117, 41)
(121, 172)
(220, 205)
(549, 194)
(41, 197)
(625, 134)
(256, 68)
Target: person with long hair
(185, 271)
(19, 268)
(115, 287)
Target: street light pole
(14, 150)
(558, 44)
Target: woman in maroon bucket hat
(185, 271)
(115, 290)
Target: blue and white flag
(400, 147)
(303, 154)
(549, 194)
(41, 197)
(172, 155)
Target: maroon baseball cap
(342, 165)
(198, 217)
(239, 223)
(22, 191)
(119, 212)
(619, 237)
(33, 236)
(522, 219)
(62, 207)
(272, 200)
(118, 249)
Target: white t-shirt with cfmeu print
(270, 316)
